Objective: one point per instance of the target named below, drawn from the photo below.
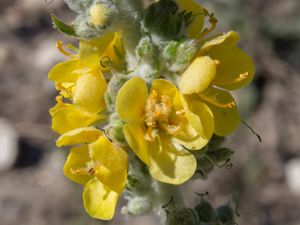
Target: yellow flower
(100, 166)
(159, 123)
(219, 63)
(80, 78)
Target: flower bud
(99, 15)
(182, 216)
(220, 155)
(178, 54)
(145, 47)
(226, 215)
(163, 20)
(205, 211)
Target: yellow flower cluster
(95, 162)
(164, 120)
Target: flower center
(160, 114)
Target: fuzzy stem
(130, 27)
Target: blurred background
(265, 176)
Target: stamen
(216, 103)
(180, 112)
(235, 81)
(157, 114)
(213, 23)
(62, 88)
(59, 99)
(59, 46)
(151, 133)
(83, 171)
(172, 129)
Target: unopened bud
(99, 15)
(226, 215)
(178, 54)
(205, 211)
(182, 216)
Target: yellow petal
(67, 71)
(198, 76)
(115, 52)
(99, 201)
(226, 118)
(235, 68)
(111, 163)
(76, 163)
(91, 51)
(164, 87)
(89, 92)
(131, 100)
(170, 165)
(135, 137)
(97, 46)
(228, 39)
(200, 118)
(65, 89)
(191, 5)
(66, 117)
(79, 136)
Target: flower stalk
(144, 102)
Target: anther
(82, 171)
(213, 23)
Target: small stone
(292, 173)
(8, 145)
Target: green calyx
(182, 216)
(177, 55)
